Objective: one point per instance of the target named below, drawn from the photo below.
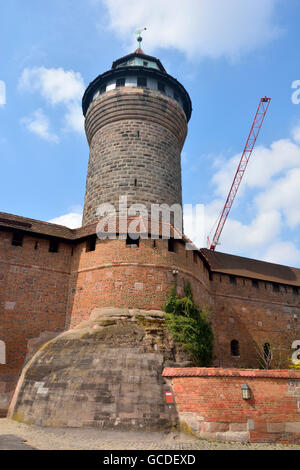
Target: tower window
(235, 348)
(142, 82)
(102, 89)
(120, 82)
(36, 246)
(232, 279)
(276, 287)
(295, 290)
(53, 246)
(17, 239)
(195, 257)
(176, 97)
(91, 244)
(132, 242)
(161, 87)
(171, 245)
(255, 283)
(145, 63)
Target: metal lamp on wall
(246, 392)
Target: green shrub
(189, 326)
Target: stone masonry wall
(108, 369)
(135, 138)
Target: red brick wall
(120, 276)
(245, 313)
(210, 402)
(33, 294)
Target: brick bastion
(210, 405)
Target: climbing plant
(189, 326)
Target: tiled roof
(218, 372)
(252, 268)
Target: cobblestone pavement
(16, 435)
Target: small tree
(189, 326)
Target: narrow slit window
(53, 246)
(195, 257)
(235, 348)
(17, 239)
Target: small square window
(132, 242)
(276, 287)
(232, 279)
(53, 246)
(120, 82)
(255, 283)
(161, 87)
(145, 63)
(142, 82)
(17, 239)
(91, 244)
(171, 245)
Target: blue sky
(227, 53)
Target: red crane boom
(256, 126)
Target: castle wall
(246, 314)
(209, 403)
(33, 298)
(121, 276)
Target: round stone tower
(136, 119)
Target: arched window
(235, 348)
(2, 353)
(267, 352)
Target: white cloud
(274, 173)
(38, 124)
(71, 220)
(57, 87)
(198, 28)
(2, 93)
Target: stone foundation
(105, 373)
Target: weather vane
(139, 38)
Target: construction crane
(256, 126)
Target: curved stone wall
(108, 369)
(135, 137)
(121, 276)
